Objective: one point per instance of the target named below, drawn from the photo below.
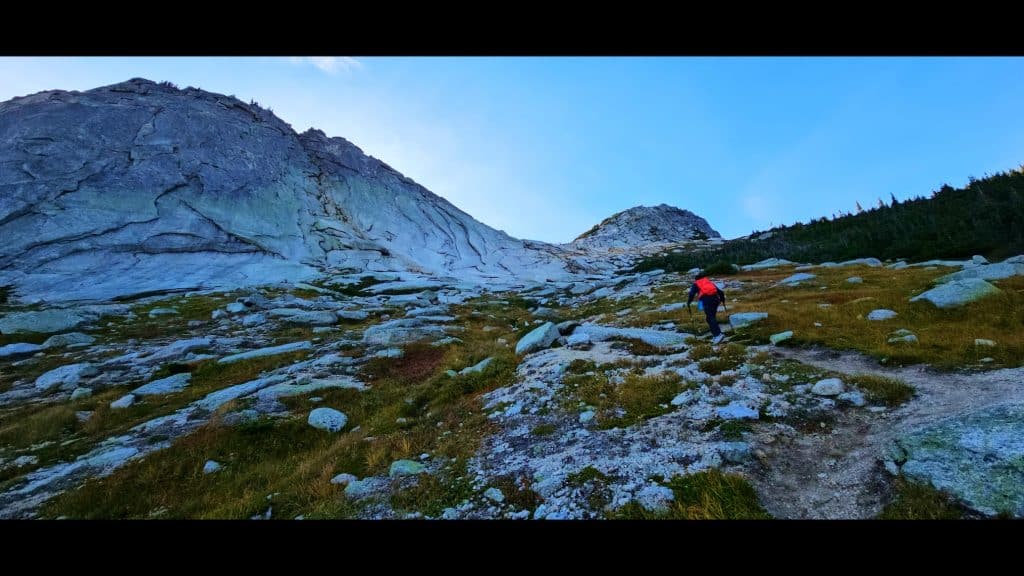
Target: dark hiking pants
(710, 310)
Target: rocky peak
(644, 226)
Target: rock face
(979, 458)
(645, 225)
(140, 186)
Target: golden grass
(707, 495)
(411, 407)
(946, 337)
(636, 398)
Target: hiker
(709, 297)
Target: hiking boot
(718, 339)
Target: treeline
(986, 217)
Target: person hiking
(709, 297)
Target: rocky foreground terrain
(376, 395)
(206, 315)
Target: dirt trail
(839, 474)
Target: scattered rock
(855, 280)
(211, 466)
(45, 321)
(905, 339)
(655, 498)
(344, 478)
(405, 468)
(327, 419)
(282, 349)
(796, 279)
(579, 339)
(684, 398)
(235, 308)
(586, 416)
(881, 314)
(123, 402)
(580, 288)
(538, 339)
(169, 385)
(828, 387)
(352, 315)
(20, 349)
(743, 319)
(477, 368)
(659, 338)
(80, 393)
(65, 377)
(763, 264)
(781, 337)
(494, 494)
(251, 320)
(737, 411)
(69, 339)
(156, 312)
(958, 293)
(853, 397)
(984, 342)
(999, 271)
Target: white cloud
(329, 64)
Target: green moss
(588, 474)
(517, 492)
(544, 430)
(734, 429)
(430, 495)
(915, 501)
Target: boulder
(958, 292)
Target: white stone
(742, 319)
(343, 478)
(66, 377)
(737, 411)
(828, 387)
(405, 468)
(958, 293)
(271, 351)
(538, 339)
(327, 419)
(68, 339)
(881, 314)
(169, 385)
(80, 393)
(20, 349)
(123, 402)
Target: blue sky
(544, 148)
